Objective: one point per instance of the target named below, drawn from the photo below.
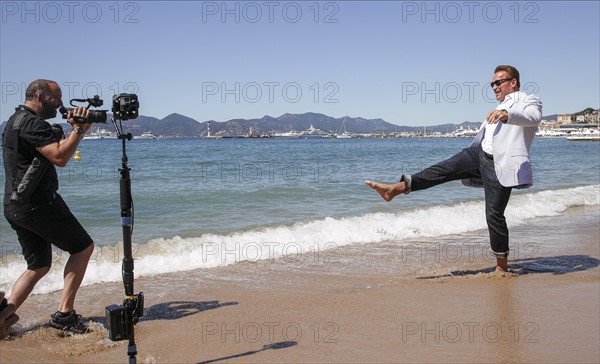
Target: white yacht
(550, 133)
(146, 135)
(464, 133)
(313, 132)
(100, 134)
(587, 135)
(287, 135)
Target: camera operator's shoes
(69, 323)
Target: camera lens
(97, 116)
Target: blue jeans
(472, 163)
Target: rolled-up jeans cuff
(406, 178)
(499, 255)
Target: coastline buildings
(581, 126)
(587, 116)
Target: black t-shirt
(33, 133)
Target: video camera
(96, 116)
(124, 107)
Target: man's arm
(526, 111)
(60, 153)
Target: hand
(497, 115)
(77, 114)
(7, 318)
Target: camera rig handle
(95, 101)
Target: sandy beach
(393, 304)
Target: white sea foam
(313, 238)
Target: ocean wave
(315, 237)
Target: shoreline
(380, 305)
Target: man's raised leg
(387, 191)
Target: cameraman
(44, 218)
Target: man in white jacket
(497, 160)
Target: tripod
(133, 305)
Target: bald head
(39, 87)
(43, 97)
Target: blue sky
(407, 62)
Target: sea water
(202, 203)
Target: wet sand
(418, 301)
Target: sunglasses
(497, 83)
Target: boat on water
(146, 135)
(587, 135)
(313, 132)
(550, 133)
(287, 135)
(464, 133)
(343, 132)
(100, 134)
(344, 135)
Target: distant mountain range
(180, 126)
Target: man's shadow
(557, 265)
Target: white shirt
(488, 136)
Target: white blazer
(512, 140)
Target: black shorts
(43, 224)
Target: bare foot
(386, 191)
(502, 265)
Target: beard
(48, 109)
